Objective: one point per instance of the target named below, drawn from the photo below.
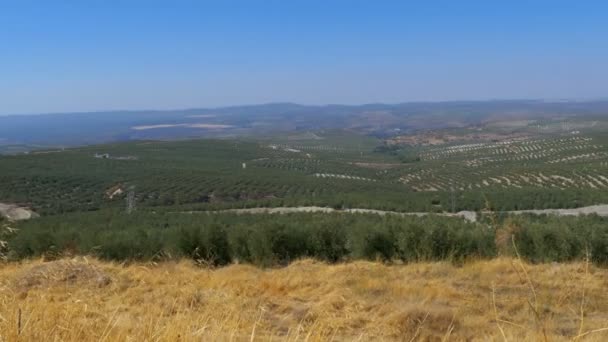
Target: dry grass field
(503, 299)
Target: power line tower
(131, 199)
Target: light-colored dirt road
(467, 215)
(471, 216)
(601, 210)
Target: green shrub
(268, 240)
(207, 243)
(328, 243)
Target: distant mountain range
(68, 129)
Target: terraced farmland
(560, 163)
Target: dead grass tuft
(61, 272)
(495, 300)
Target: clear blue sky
(58, 56)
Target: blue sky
(61, 56)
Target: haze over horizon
(72, 57)
(310, 105)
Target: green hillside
(82, 195)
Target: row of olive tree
(220, 239)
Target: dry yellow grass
(74, 300)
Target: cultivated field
(328, 169)
(560, 163)
(503, 299)
(173, 212)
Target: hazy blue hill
(377, 118)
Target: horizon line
(183, 109)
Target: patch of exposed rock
(14, 212)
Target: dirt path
(471, 216)
(467, 215)
(16, 213)
(601, 210)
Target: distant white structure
(244, 166)
(108, 156)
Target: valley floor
(502, 299)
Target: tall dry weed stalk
(524, 276)
(535, 306)
(583, 299)
(5, 232)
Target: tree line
(269, 240)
